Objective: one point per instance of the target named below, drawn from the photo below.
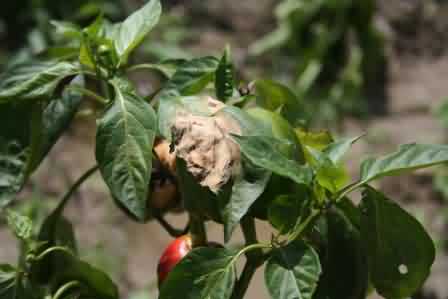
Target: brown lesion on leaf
(204, 143)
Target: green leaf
(274, 96)
(129, 34)
(54, 232)
(344, 261)
(204, 273)
(203, 202)
(247, 187)
(284, 212)
(336, 150)
(95, 283)
(400, 252)
(13, 284)
(408, 157)
(25, 140)
(15, 134)
(33, 80)
(21, 225)
(167, 68)
(293, 271)
(224, 77)
(263, 152)
(248, 123)
(125, 137)
(329, 175)
(275, 125)
(193, 76)
(7, 281)
(251, 183)
(316, 140)
(189, 79)
(67, 29)
(55, 119)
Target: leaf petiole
(92, 95)
(65, 287)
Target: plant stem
(347, 190)
(243, 282)
(92, 95)
(66, 287)
(254, 257)
(105, 89)
(249, 230)
(172, 231)
(197, 231)
(304, 225)
(53, 249)
(75, 187)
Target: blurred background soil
(416, 33)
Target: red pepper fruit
(175, 251)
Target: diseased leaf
(408, 157)
(293, 271)
(400, 252)
(129, 34)
(204, 273)
(125, 137)
(33, 80)
(263, 152)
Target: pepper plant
(232, 156)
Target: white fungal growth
(203, 142)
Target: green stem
(347, 190)
(75, 187)
(66, 287)
(197, 231)
(243, 282)
(105, 88)
(254, 257)
(304, 225)
(172, 231)
(249, 230)
(53, 249)
(93, 95)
